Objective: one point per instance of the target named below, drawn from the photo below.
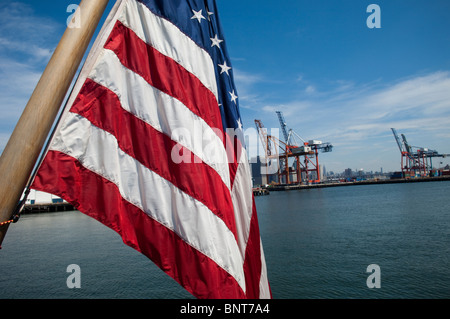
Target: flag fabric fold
(151, 145)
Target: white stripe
(163, 112)
(264, 288)
(97, 48)
(242, 198)
(98, 151)
(165, 37)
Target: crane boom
(405, 142)
(283, 126)
(291, 133)
(397, 138)
(262, 131)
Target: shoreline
(259, 191)
(47, 208)
(286, 187)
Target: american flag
(151, 145)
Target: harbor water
(318, 244)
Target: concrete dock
(286, 187)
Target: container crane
(308, 150)
(275, 149)
(270, 144)
(283, 126)
(415, 160)
(397, 139)
(406, 157)
(262, 132)
(411, 163)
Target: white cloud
(245, 83)
(16, 87)
(310, 89)
(416, 102)
(26, 36)
(26, 44)
(357, 119)
(246, 78)
(32, 50)
(425, 94)
(19, 21)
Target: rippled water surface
(318, 244)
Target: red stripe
(171, 78)
(164, 73)
(100, 199)
(154, 149)
(252, 262)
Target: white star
(233, 97)
(198, 15)
(239, 124)
(209, 15)
(216, 41)
(225, 68)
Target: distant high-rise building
(255, 164)
(348, 172)
(323, 172)
(259, 171)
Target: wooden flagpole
(28, 138)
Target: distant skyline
(334, 78)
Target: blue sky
(333, 78)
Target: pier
(285, 187)
(259, 191)
(47, 207)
